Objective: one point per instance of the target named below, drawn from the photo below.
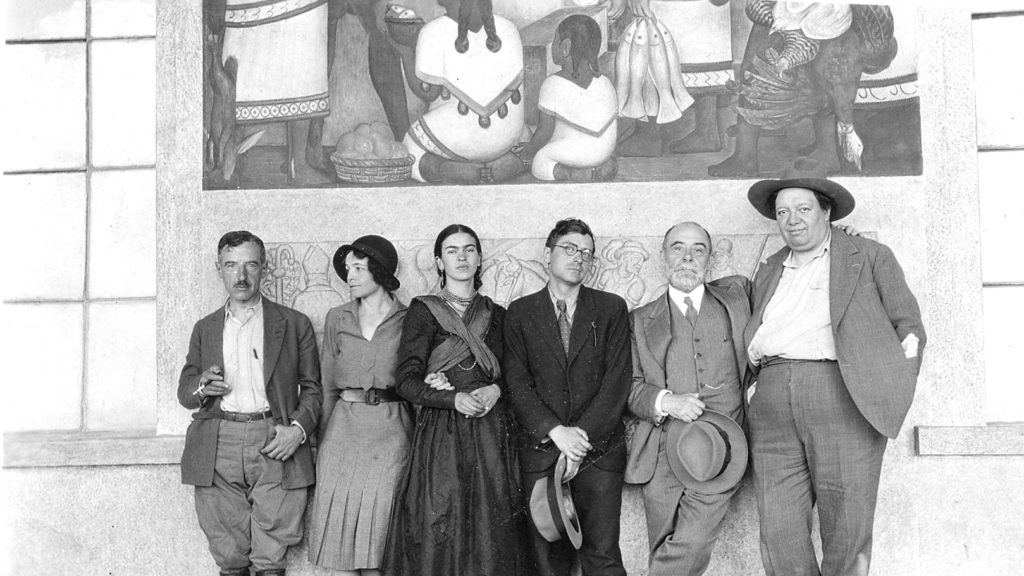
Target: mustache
(242, 284)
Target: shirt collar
(570, 300)
(250, 311)
(825, 248)
(677, 296)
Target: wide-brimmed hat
(804, 173)
(376, 248)
(708, 454)
(552, 509)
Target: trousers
(247, 516)
(810, 444)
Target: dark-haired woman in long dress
(366, 428)
(459, 509)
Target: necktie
(691, 313)
(564, 328)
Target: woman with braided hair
(459, 508)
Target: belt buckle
(373, 397)
(248, 418)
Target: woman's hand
(468, 405)
(438, 381)
(488, 396)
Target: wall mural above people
(339, 93)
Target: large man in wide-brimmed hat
(687, 451)
(836, 338)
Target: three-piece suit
(706, 358)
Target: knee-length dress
(459, 509)
(363, 448)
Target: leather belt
(777, 360)
(233, 416)
(373, 396)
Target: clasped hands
(574, 444)
(475, 404)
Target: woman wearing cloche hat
(365, 428)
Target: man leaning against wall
(253, 373)
(836, 339)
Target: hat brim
(842, 201)
(734, 470)
(341, 253)
(552, 510)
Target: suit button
(700, 369)
(696, 339)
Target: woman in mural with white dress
(471, 62)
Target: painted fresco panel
(342, 93)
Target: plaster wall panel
(1000, 91)
(46, 107)
(123, 18)
(44, 381)
(45, 19)
(123, 102)
(122, 230)
(1004, 312)
(45, 215)
(1002, 211)
(120, 389)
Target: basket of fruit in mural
(370, 155)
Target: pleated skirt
(359, 463)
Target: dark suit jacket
(651, 333)
(291, 370)
(872, 311)
(588, 389)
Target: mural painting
(337, 93)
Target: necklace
(455, 301)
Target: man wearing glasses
(568, 370)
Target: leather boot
(270, 572)
(234, 571)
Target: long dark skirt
(460, 508)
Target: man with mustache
(253, 373)
(567, 369)
(836, 337)
(688, 357)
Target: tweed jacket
(586, 388)
(651, 333)
(872, 311)
(291, 371)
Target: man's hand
(285, 442)
(572, 441)
(468, 405)
(488, 396)
(438, 381)
(212, 382)
(685, 407)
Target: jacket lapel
(846, 264)
(731, 298)
(584, 322)
(657, 327)
(273, 338)
(546, 323)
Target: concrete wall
(938, 513)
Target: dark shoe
(234, 571)
(271, 572)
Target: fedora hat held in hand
(552, 509)
(709, 454)
(805, 173)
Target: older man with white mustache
(688, 365)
